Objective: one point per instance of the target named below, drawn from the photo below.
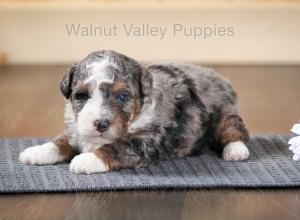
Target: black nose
(102, 125)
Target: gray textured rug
(270, 165)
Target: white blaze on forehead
(94, 109)
(98, 74)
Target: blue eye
(122, 98)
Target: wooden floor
(31, 105)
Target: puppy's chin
(93, 137)
(91, 133)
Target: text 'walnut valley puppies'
(120, 114)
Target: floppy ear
(146, 83)
(66, 83)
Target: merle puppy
(120, 114)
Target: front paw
(88, 163)
(47, 153)
(235, 151)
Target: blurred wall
(262, 34)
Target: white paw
(235, 151)
(87, 163)
(47, 153)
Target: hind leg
(232, 136)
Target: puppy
(120, 114)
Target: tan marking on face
(89, 86)
(119, 124)
(84, 87)
(137, 110)
(118, 86)
(64, 148)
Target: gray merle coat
(121, 114)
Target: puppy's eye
(81, 96)
(122, 97)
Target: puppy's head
(106, 91)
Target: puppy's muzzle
(102, 125)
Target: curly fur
(173, 110)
